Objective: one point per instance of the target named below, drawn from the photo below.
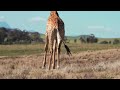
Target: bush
(88, 38)
(75, 40)
(116, 41)
(104, 42)
(95, 40)
(110, 42)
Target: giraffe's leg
(45, 55)
(46, 49)
(58, 54)
(54, 47)
(50, 59)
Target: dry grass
(103, 64)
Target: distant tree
(104, 42)
(17, 36)
(75, 40)
(83, 39)
(92, 35)
(116, 41)
(96, 40)
(25, 36)
(88, 38)
(3, 35)
(110, 42)
(35, 36)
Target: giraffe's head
(54, 13)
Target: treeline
(88, 38)
(17, 36)
(115, 41)
(83, 39)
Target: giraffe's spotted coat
(54, 36)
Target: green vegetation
(18, 40)
(17, 36)
(42, 36)
(15, 50)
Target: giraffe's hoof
(53, 67)
(58, 67)
(48, 68)
(43, 67)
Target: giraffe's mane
(54, 18)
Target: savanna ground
(89, 61)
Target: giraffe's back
(52, 25)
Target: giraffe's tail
(67, 49)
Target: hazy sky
(104, 24)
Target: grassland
(88, 61)
(16, 50)
(103, 64)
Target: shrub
(116, 41)
(104, 42)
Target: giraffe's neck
(54, 13)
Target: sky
(103, 24)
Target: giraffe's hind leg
(50, 59)
(51, 53)
(54, 48)
(45, 55)
(58, 54)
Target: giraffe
(54, 37)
